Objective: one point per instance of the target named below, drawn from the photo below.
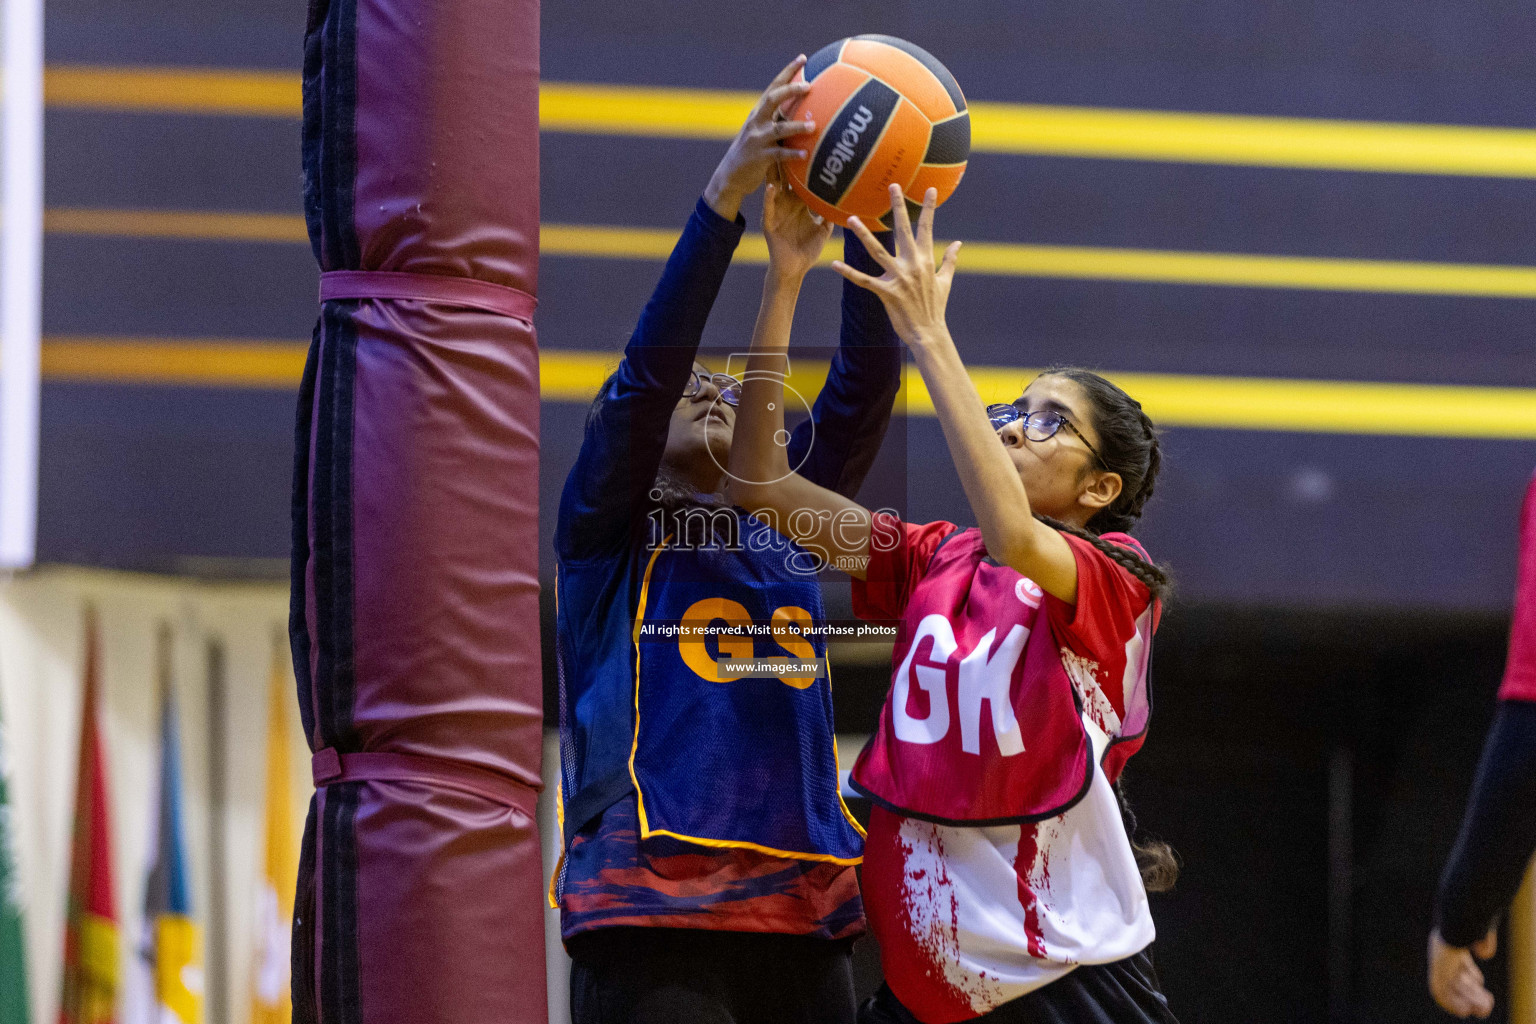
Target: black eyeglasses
(1040, 425)
(728, 386)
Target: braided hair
(1128, 445)
(1154, 576)
(1155, 859)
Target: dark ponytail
(1154, 576)
(1155, 859)
(1129, 446)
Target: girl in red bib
(999, 877)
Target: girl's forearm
(760, 478)
(760, 417)
(991, 483)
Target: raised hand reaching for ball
(915, 292)
(795, 236)
(756, 147)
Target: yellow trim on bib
(838, 758)
(742, 844)
(554, 876)
(634, 748)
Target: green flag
(13, 955)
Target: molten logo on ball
(886, 111)
(843, 153)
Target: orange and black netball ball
(885, 111)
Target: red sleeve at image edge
(1520, 670)
(1109, 599)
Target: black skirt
(628, 975)
(1123, 992)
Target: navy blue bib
(737, 761)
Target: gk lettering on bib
(989, 710)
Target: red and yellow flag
(90, 927)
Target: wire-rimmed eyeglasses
(728, 386)
(1040, 425)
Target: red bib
(983, 724)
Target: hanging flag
(90, 920)
(13, 955)
(271, 996)
(170, 947)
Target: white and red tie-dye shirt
(970, 916)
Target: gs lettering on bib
(733, 743)
(996, 685)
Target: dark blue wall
(1258, 692)
(148, 477)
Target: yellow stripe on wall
(1306, 406)
(193, 361)
(1027, 128)
(1016, 128)
(1243, 270)
(1308, 143)
(1078, 262)
(174, 90)
(1173, 400)
(568, 376)
(643, 111)
(189, 224)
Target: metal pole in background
(1341, 883)
(21, 262)
(217, 960)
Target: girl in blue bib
(708, 865)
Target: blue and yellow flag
(171, 943)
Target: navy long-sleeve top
(1498, 832)
(611, 876)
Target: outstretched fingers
(775, 133)
(858, 277)
(951, 259)
(791, 95)
(789, 129)
(901, 223)
(777, 98)
(787, 72)
(925, 220)
(780, 90)
(871, 244)
(767, 130)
